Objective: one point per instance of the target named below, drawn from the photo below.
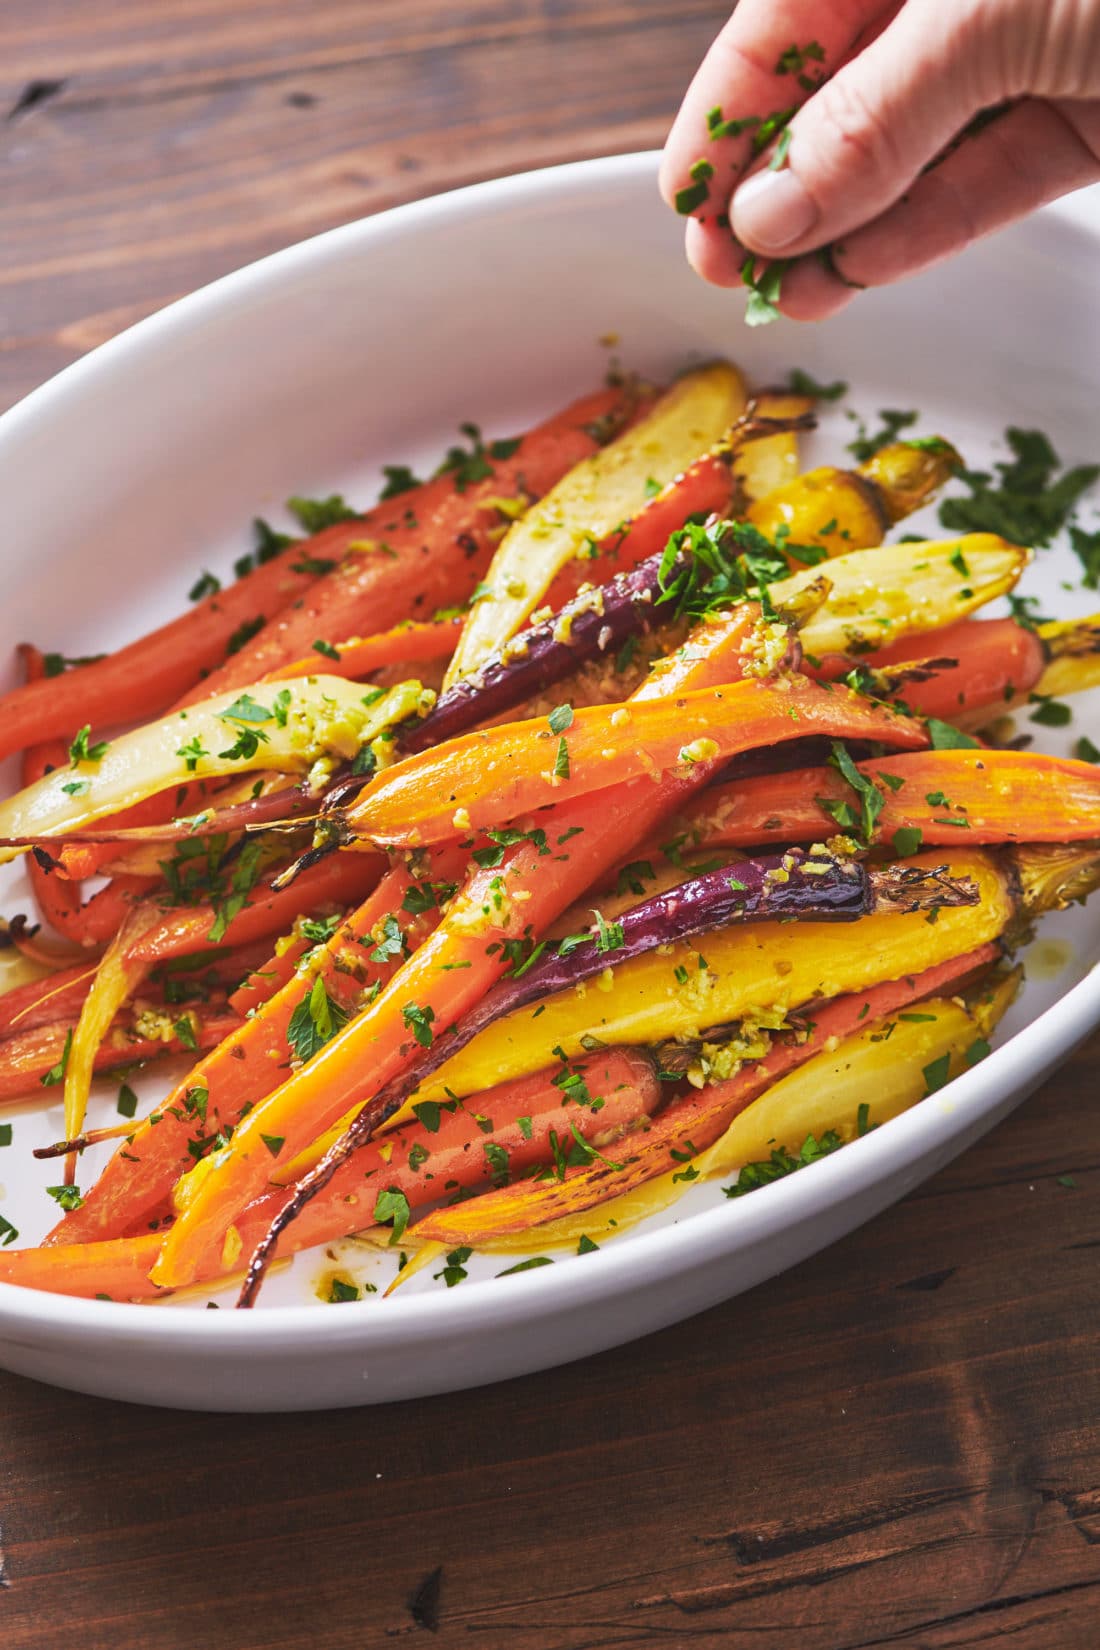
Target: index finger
(765, 63)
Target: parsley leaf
(315, 1020)
(315, 514)
(419, 1021)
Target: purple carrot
(594, 623)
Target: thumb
(861, 140)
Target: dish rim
(703, 1234)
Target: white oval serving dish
(145, 462)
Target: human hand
(878, 90)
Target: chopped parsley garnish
(871, 801)
(81, 751)
(67, 1197)
(419, 1021)
(399, 479)
(274, 1143)
(5, 1134)
(127, 1103)
(865, 446)
(192, 752)
(609, 935)
(8, 1232)
(244, 634)
(907, 840)
(339, 1291)
(471, 464)
(455, 1269)
(561, 718)
(1085, 750)
(764, 290)
(1086, 547)
(315, 514)
(326, 649)
(779, 157)
(1027, 501)
(718, 127)
(391, 943)
(800, 383)
(694, 194)
(561, 761)
(314, 1022)
(936, 1073)
(795, 60)
(944, 737)
(782, 1162)
(1050, 713)
(585, 1245)
(56, 1073)
(393, 1205)
(55, 664)
(528, 1265)
(242, 880)
(207, 585)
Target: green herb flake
(274, 1143)
(314, 1022)
(419, 1021)
(455, 1269)
(66, 1197)
(561, 719)
(339, 1291)
(393, 1205)
(585, 1245)
(56, 1073)
(944, 737)
(936, 1073)
(81, 751)
(801, 383)
(315, 514)
(528, 1265)
(561, 761)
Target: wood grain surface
(896, 1445)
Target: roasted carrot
(408, 643)
(29, 1056)
(338, 879)
(145, 677)
(363, 952)
(429, 547)
(509, 1132)
(687, 1125)
(948, 797)
(962, 670)
(490, 777)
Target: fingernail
(770, 210)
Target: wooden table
(897, 1444)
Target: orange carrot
(688, 1125)
(491, 776)
(408, 643)
(27, 1057)
(144, 678)
(242, 1071)
(337, 879)
(974, 665)
(423, 550)
(512, 1130)
(952, 797)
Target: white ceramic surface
(145, 462)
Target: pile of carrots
(483, 855)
